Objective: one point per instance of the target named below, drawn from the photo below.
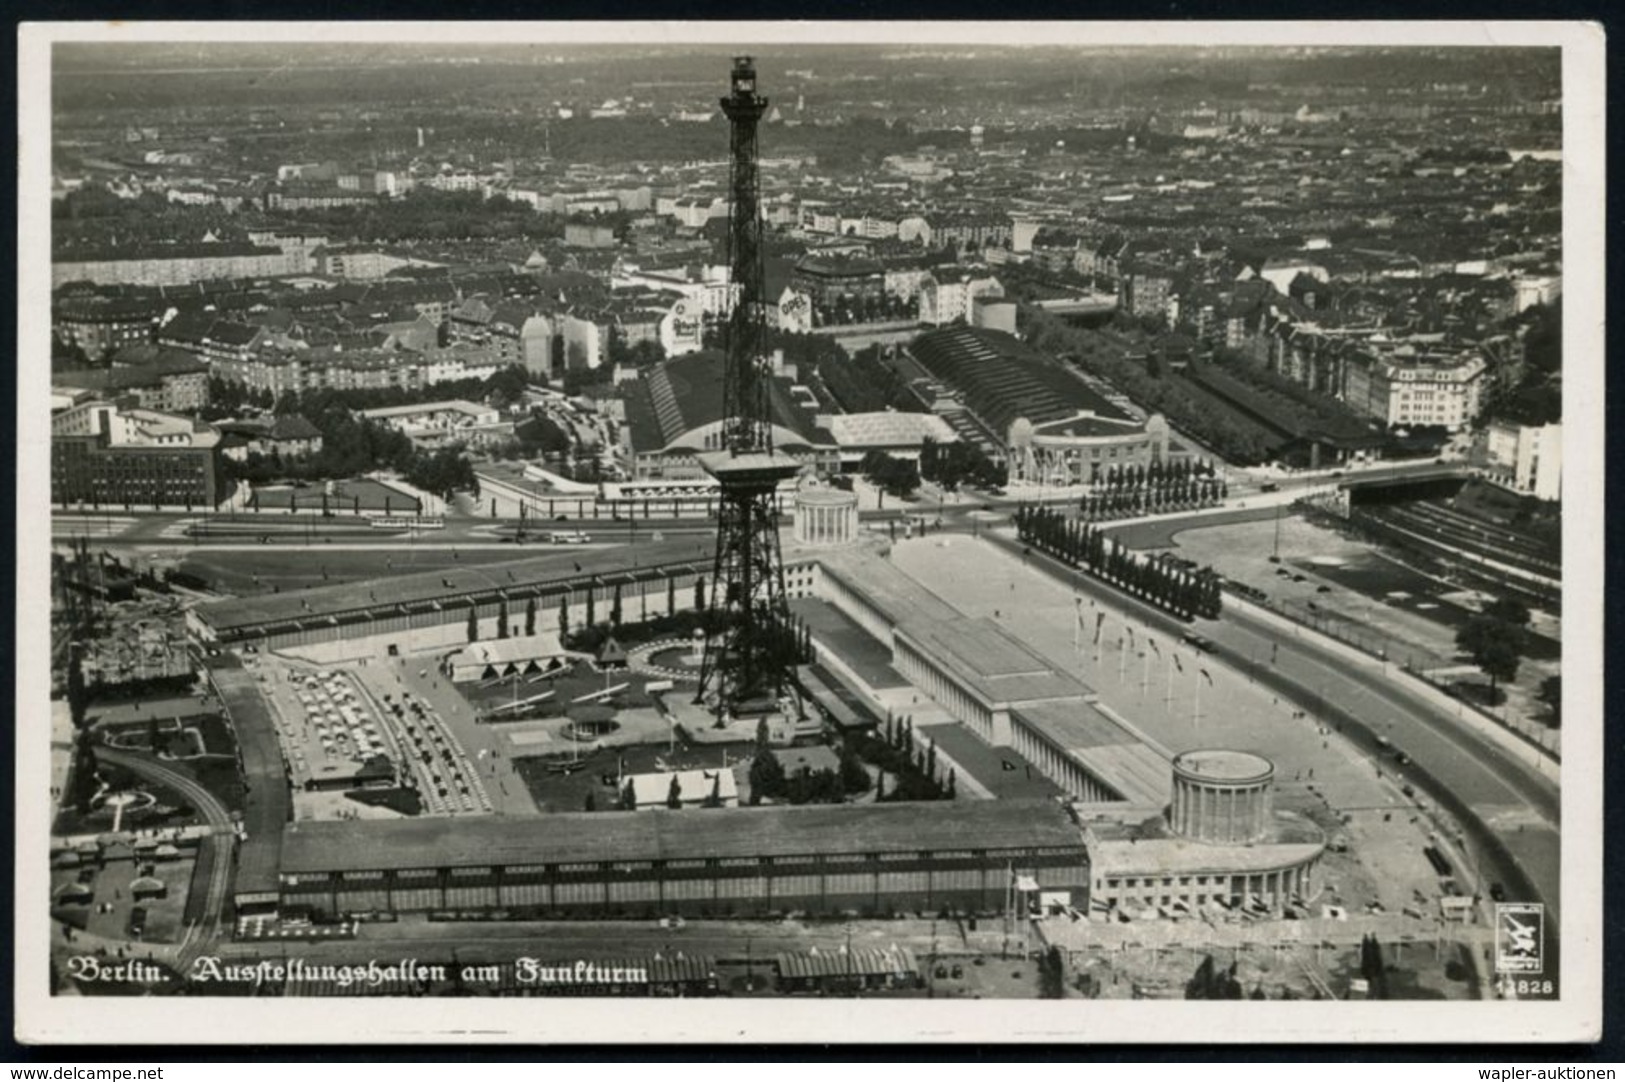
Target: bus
(407, 522)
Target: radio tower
(751, 647)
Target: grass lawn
(580, 681)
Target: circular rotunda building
(826, 516)
(1222, 796)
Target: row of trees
(908, 767)
(1211, 982)
(353, 445)
(1152, 499)
(1139, 475)
(769, 781)
(1157, 579)
(1283, 401)
(898, 477)
(862, 382)
(502, 389)
(849, 309)
(83, 776)
(953, 464)
(1373, 968)
(793, 635)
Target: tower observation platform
(752, 645)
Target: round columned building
(1222, 796)
(826, 516)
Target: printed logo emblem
(1520, 929)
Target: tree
(153, 735)
(854, 776)
(715, 799)
(1052, 974)
(84, 773)
(671, 596)
(78, 695)
(564, 615)
(530, 617)
(1373, 968)
(502, 619)
(674, 795)
(1203, 982)
(1494, 645)
(592, 600)
(766, 775)
(1508, 610)
(473, 623)
(615, 607)
(591, 803)
(699, 594)
(1551, 694)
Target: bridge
(1380, 485)
(1092, 304)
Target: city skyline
(1154, 426)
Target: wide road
(1515, 803)
(218, 842)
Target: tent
(610, 655)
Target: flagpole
(1196, 699)
(1122, 658)
(1145, 675)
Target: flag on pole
(1149, 641)
(1130, 631)
(1100, 618)
(1177, 665)
(1206, 676)
(1119, 644)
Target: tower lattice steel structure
(752, 647)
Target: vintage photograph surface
(921, 515)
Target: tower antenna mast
(751, 646)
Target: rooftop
(673, 399)
(997, 665)
(367, 845)
(887, 428)
(1148, 847)
(1003, 379)
(1110, 752)
(473, 409)
(1224, 765)
(503, 651)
